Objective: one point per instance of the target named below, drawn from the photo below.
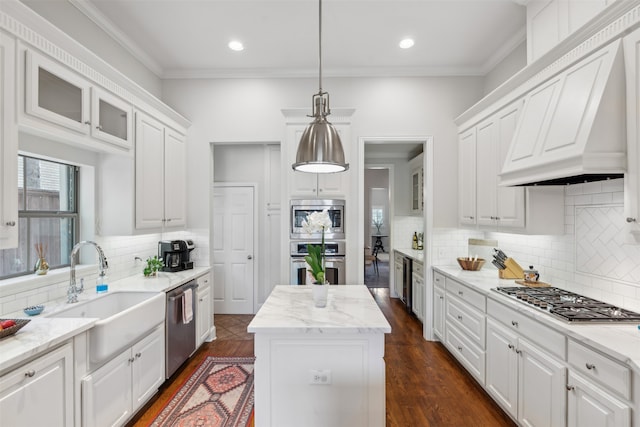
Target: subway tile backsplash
(120, 252)
(592, 257)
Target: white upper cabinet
(160, 175)
(551, 21)
(8, 146)
(632, 178)
(467, 183)
(496, 205)
(61, 100)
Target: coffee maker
(175, 254)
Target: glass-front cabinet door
(56, 94)
(111, 118)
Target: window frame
(29, 214)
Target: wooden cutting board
(533, 284)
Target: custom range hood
(572, 126)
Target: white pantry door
(233, 250)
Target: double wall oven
(334, 240)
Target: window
(47, 215)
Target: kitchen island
(319, 366)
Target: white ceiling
(188, 38)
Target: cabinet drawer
(600, 368)
(439, 280)
(533, 330)
(418, 268)
(397, 258)
(468, 295)
(203, 282)
(472, 357)
(468, 319)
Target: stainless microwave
(300, 209)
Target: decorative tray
(13, 329)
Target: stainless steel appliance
(334, 262)
(301, 208)
(175, 254)
(569, 306)
(407, 282)
(180, 328)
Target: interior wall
(250, 110)
(77, 25)
(509, 66)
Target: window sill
(30, 282)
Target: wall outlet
(320, 376)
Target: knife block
(513, 270)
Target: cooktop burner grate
(568, 305)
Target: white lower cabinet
(114, 392)
(417, 284)
(599, 389)
(528, 382)
(439, 306)
(39, 393)
(205, 317)
(397, 274)
(464, 327)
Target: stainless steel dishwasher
(180, 330)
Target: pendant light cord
(320, 45)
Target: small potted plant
(314, 223)
(154, 264)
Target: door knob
(249, 257)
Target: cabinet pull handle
(99, 127)
(460, 293)
(131, 360)
(30, 373)
(631, 220)
(10, 223)
(441, 297)
(570, 387)
(511, 347)
(459, 317)
(87, 122)
(201, 299)
(590, 366)
(514, 323)
(518, 351)
(459, 348)
(497, 218)
(138, 355)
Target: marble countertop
(39, 335)
(619, 340)
(414, 254)
(350, 310)
(43, 332)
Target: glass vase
(320, 292)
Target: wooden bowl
(470, 264)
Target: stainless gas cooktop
(569, 306)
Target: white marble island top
(350, 310)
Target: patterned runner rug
(218, 394)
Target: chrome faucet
(74, 290)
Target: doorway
(377, 227)
(233, 249)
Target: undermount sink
(124, 318)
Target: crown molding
(281, 73)
(113, 31)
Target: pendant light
(320, 149)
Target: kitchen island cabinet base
(312, 380)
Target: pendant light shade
(320, 149)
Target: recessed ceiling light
(236, 45)
(406, 43)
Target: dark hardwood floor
(426, 387)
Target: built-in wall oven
(334, 262)
(300, 209)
